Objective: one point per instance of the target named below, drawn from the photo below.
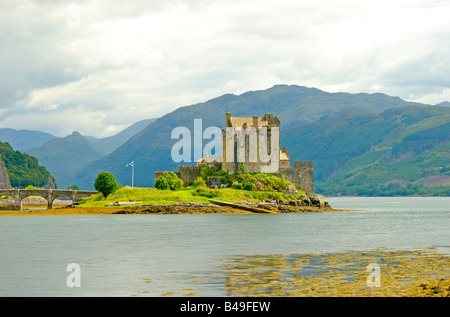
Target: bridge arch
(58, 195)
(18, 195)
(24, 195)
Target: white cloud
(127, 61)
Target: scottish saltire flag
(130, 164)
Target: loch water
(126, 255)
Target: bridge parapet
(49, 194)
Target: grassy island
(244, 193)
(200, 200)
(150, 196)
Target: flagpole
(132, 175)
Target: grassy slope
(202, 195)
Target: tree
(73, 187)
(168, 181)
(106, 183)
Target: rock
(122, 203)
(50, 184)
(306, 201)
(283, 202)
(258, 185)
(317, 200)
(4, 178)
(290, 190)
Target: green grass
(149, 196)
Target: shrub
(206, 172)
(106, 183)
(169, 180)
(206, 192)
(220, 173)
(256, 181)
(236, 185)
(248, 186)
(199, 182)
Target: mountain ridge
(22, 140)
(64, 156)
(347, 136)
(295, 106)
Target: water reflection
(423, 272)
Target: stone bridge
(49, 194)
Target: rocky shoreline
(312, 203)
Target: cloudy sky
(98, 66)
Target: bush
(220, 173)
(169, 180)
(106, 183)
(248, 186)
(206, 192)
(199, 182)
(236, 185)
(206, 172)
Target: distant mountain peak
(23, 140)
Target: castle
(242, 141)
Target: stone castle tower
(242, 145)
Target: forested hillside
(23, 169)
(399, 151)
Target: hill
(23, 140)
(24, 169)
(107, 145)
(399, 151)
(295, 106)
(65, 156)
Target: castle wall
(189, 173)
(301, 175)
(285, 164)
